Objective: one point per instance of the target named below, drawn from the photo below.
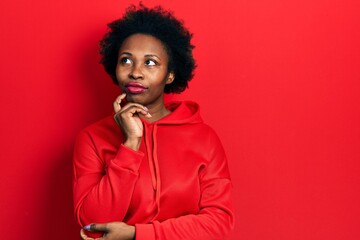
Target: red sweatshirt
(176, 187)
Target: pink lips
(135, 88)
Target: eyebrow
(126, 53)
(147, 55)
(151, 55)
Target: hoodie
(176, 187)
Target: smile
(135, 88)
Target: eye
(150, 62)
(125, 60)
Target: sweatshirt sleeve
(215, 220)
(102, 190)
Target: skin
(142, 59)
(112, 231)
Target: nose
(136, 72)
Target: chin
(136, 98)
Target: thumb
(96, 227)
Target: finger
(97, 227)
(83, 235)
(134, 104)
(131, 111)
(117, 102)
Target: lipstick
(135, 88)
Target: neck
(157, 111)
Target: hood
(185, 112)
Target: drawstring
(150, 159)
(157, 171)
(154, 166)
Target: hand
(127, 118)
(112, 231)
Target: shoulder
(186, 115)
(213, 138)
(105, 128)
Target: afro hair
(160, 24)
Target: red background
(278, 80)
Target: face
(142, 69)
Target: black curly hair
(160, 24)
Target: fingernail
(149, 115)
(146, 108)
(87, 227)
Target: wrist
(133, 143)
(132, 232)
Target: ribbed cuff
(144, 232)
(128, 158)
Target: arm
(102, 191)
(215, 218)
(214, 221)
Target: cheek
(161, 76)
(120, 73)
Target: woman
(153, 170)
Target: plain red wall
(278, 80)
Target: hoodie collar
(182, 112)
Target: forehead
(143, 44)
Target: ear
(170, 78)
